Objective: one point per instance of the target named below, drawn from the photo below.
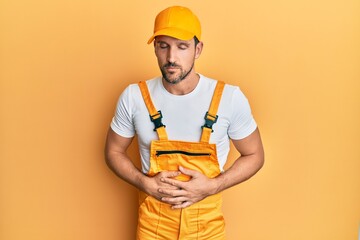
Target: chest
(183, 120)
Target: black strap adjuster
(156, 119)
(210, 121)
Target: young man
(182, 174)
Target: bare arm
(120, 163)
(250, 161)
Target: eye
(183, 46)
(163, 45)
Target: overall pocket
(170, 160)
(169, 155)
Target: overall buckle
(209, 121)
(156, 119)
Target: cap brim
(172, 32)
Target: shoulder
(230, 91)
(207, 83)
(153, 83)
(133, 89)
(234, 92)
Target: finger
(173, 182)
(163, 185)
(169, 174)
(189, 172)
(172, 192)
(182, 205)
(173, 200)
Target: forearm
(200, 186)
(250, 161)
(125, 169)
(242, 169)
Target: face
(176, 57)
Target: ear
(155, 49)
(198, 49)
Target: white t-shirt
(183, 116)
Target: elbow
(261, 158)
(109, 162)
(107, 157)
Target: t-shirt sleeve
(242, 121)
(122, 122)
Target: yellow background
(64, 63)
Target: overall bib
(202, 220)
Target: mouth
(171, 68)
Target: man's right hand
(151, 185)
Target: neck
(185, 86)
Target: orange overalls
(200, 221)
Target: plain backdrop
(63, 65)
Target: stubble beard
(176, 80)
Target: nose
(171, 55)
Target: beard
(172, 78)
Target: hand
(187, 193)
(154, 183)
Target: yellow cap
(177, 22)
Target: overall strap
(210, 116)
(155, 116)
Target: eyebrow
(184, 43)
(179, 43)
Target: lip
(171, 69)
(171, 66)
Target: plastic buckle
(156, 119)
(208, 122)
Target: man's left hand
(196, 189)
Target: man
(182, 174)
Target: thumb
(188, 172)
(169, 174)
